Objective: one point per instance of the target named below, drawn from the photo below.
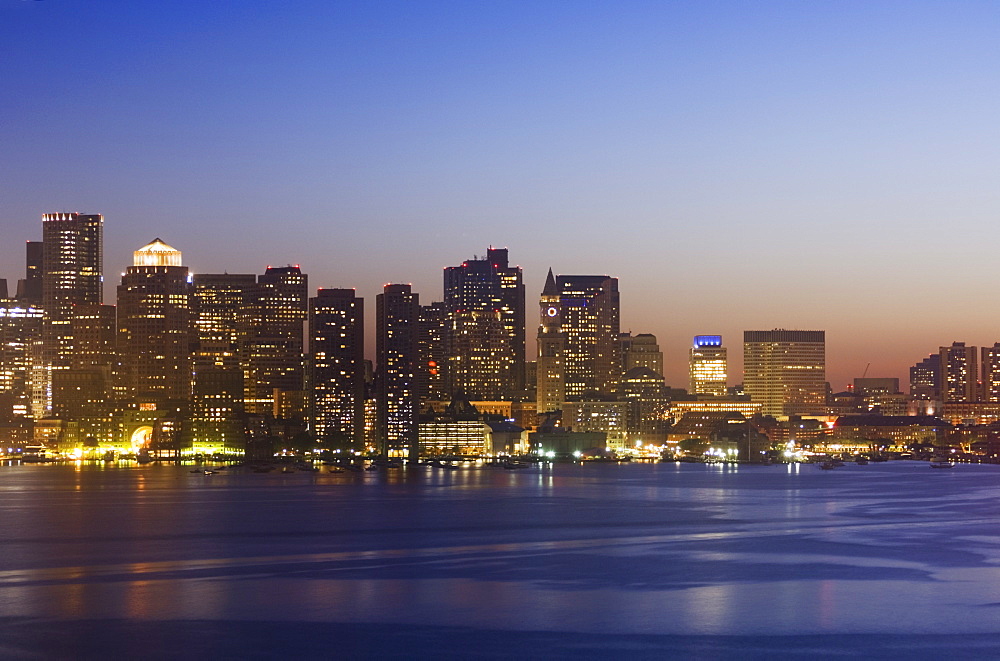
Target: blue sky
(737, 165)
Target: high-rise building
(82, 392)
(590, 320)
(72, 274)
(708, 367)
(396, 315)
(925, 379)
(641, 351)
(959, 373)
(551, 387)
(785, 370)
(336, 350)
(29, 288)
(274, 356)
(20, 330)
(431, 345)
(155, 330)
(648, 404)
(221, 306)
(991, 373)
(484, 303)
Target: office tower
(991, 373)
(959, 373)
(641, 351)
(29, 288)
(336, 350)
(550, 389)
(484, 303)
(217, 422)
(155, 330)
(708, 367)
(396, 314)
(72, 274)
(220, 307)
(431, 328)
(648, 404)
(82, 392)
(925, 378)
(589, 317)
(274, 369)
(20, 330)
(785, 370)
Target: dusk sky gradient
(737, 165)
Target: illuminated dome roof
(156, 253)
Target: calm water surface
(601, 561)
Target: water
(598, 561)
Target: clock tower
(551, 342)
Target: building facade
(707, 363)
(785, 371)
(336, 351)
(396, 315)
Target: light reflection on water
(661, 548)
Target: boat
(941, 462)
(828, 465)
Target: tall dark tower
(484, 304)
(590, 310)
(72, 273)
(430, 344)
(29, 288)
(155, 329)
(396, 314)
(336, 349)
(551, 343)
(274, 362)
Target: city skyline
(778, 166)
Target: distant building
(641, 351)
(708, 366)
(484, 338)
(20, 331)
(155, 330)
(648, 404)
(785, 370)
(925, 379)
(433, 361)
(274, 355)
(336, 349)
(396, 315)
(550, 388)
(890, 429)
(72, 274)
(991, 373)
(959, 373)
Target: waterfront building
(155, 330)
(959, 373)
(889, 430)
(707, 366)
(484, 339)
(991, 373)
(785, 370)
(715, 405)
(925, 379)
(431, 328)
(273, 361)
(396, 315)
(590, 318)
(608, 417)
(550, 391)
(648, 404)
(20, 333)
(337, 377)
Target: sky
(737, 165)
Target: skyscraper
(484, 303)
(433, 360)
(396, 314)
(785, 370)
(72, 273)
(551, 385)
(959, 373)
(155, 329)
(221, 306)
(708, 366)
(590, 320)
(29, 288)
(336, 350)
(274, 362)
